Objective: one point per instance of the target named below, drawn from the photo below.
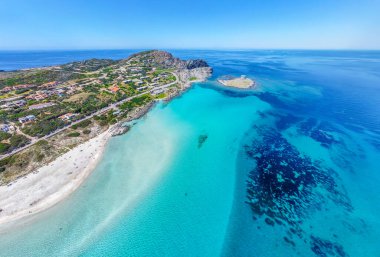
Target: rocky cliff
(167, 60)
(188, 71)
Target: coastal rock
(120, 130)
(195, 74)
(198, 63)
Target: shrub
(4, 148)
(103, 123)
(84, 123)
(86, 131)
(73, 134)
(4, 135)
(43, 127)
(40, 157)
(18, 141)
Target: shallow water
(290, 169)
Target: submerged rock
(325, 248)
(201, 140)
(286, 187)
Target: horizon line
(191, 49)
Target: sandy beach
(51, 183)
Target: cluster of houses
(48, 85)
(46, 90)
(141, 78)
(38, 96)
(142, 83)
(9, 89)
(31, 118)
(43, 94)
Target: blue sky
(198, 24)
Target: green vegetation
(78, 88)
(136, 102)
(4, 162)
(107, 70)
(4, 135)
(18, 141)
(161, 96)
(4, 147)
(82, 124)
(73, 134)
(37, 77)
(106, 119)
(15, 141)
(21, 91)
(43, 127)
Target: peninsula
(55, 121)
(242, 82)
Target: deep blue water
(288, 169)
(14, 60)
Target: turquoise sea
(289, 169)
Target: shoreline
(52, 183)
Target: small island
(242, 82)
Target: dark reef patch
(286, 187)
(273, 100)
(284, 121)
(326, 248)
(234, 93)
(201, 140)
(319, 131)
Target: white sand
(50, 184)
(241, 82)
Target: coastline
(52, 183)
